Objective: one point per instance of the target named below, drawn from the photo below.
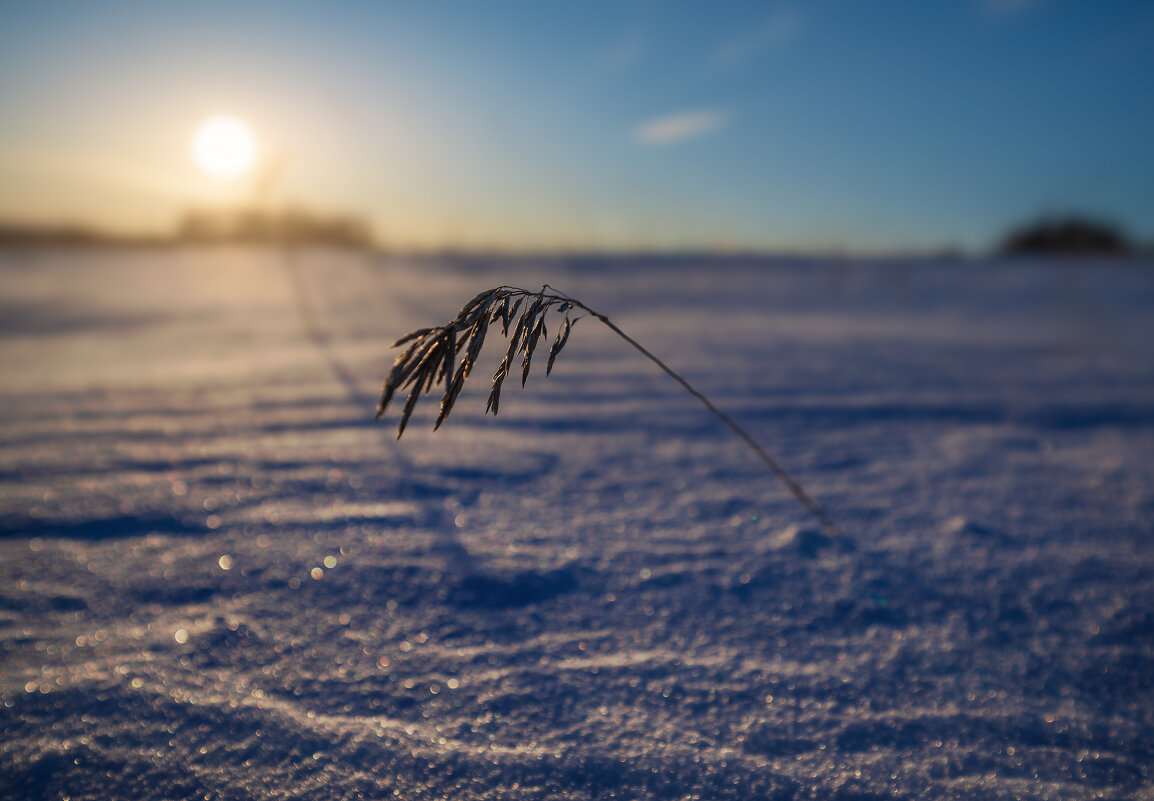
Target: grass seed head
(429, 361)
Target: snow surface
(221, 580)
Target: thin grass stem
(428, 361)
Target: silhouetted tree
(1068, 235)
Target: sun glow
(224, 147)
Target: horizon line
(16, 233)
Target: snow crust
(219, 579)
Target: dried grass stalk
(430, 360)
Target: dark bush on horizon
(1071, 235)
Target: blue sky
(850, 125)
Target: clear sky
(858, 125)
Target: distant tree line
(244, 226)
(20, 235)
(292, 225)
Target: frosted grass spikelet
(428, 362)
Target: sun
(224, 147)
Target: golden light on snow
(224, 147)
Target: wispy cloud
(681, 126)
(777, 30)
